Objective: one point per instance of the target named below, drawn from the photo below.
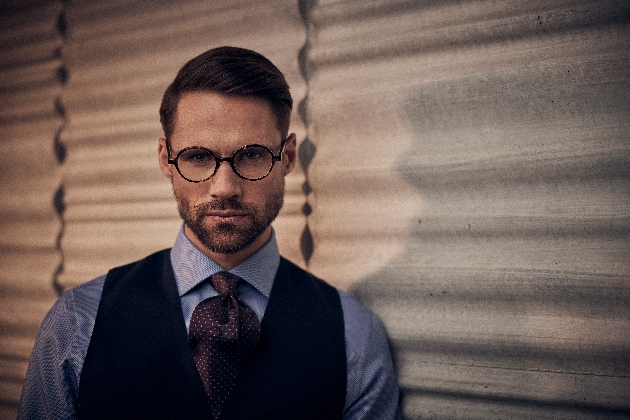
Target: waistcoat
(139, 364)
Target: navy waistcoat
(139, 364)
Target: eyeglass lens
(251, 162)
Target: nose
(225, 183)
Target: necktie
(222, 331)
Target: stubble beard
(230, 238)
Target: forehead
(223, 122)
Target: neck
(228, 261)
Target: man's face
(227, 216)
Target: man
(219, 326)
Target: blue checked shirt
(52, 381)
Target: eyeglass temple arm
(278, 158)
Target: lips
(226, 216)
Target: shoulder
(75, 311)
(85, 295)
(80, 301)
(70, 321)
(372, 387)
(151, 262)
(363, 327)
(356, 311)
(302, 280)
(85, 298)
(358, 319)
(295, 271)
(62, 341)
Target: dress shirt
(52, 380)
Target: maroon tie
(223, 329)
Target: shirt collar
(191, 266)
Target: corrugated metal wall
(465, 170)
(31, 79)
(483, 147)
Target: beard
(230, 238)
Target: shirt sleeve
(51, 386)
(372, 391)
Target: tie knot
(224, 282)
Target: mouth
(226, 216)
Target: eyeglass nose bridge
(228, 159)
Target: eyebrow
(282, 143)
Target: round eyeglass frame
(229, 159)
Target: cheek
(189, 191)
(255, 190)
(271, 188)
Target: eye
(196, 156)
(200, 157)
(250, 154)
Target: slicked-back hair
(229, 71)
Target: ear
(290, 154)
(165, 167)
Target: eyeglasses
(252, 162)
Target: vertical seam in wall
(307, 149)
(59, 203)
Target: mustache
(219, 204)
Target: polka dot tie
(222, 331)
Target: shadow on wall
(511, 299)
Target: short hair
(229, 71)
